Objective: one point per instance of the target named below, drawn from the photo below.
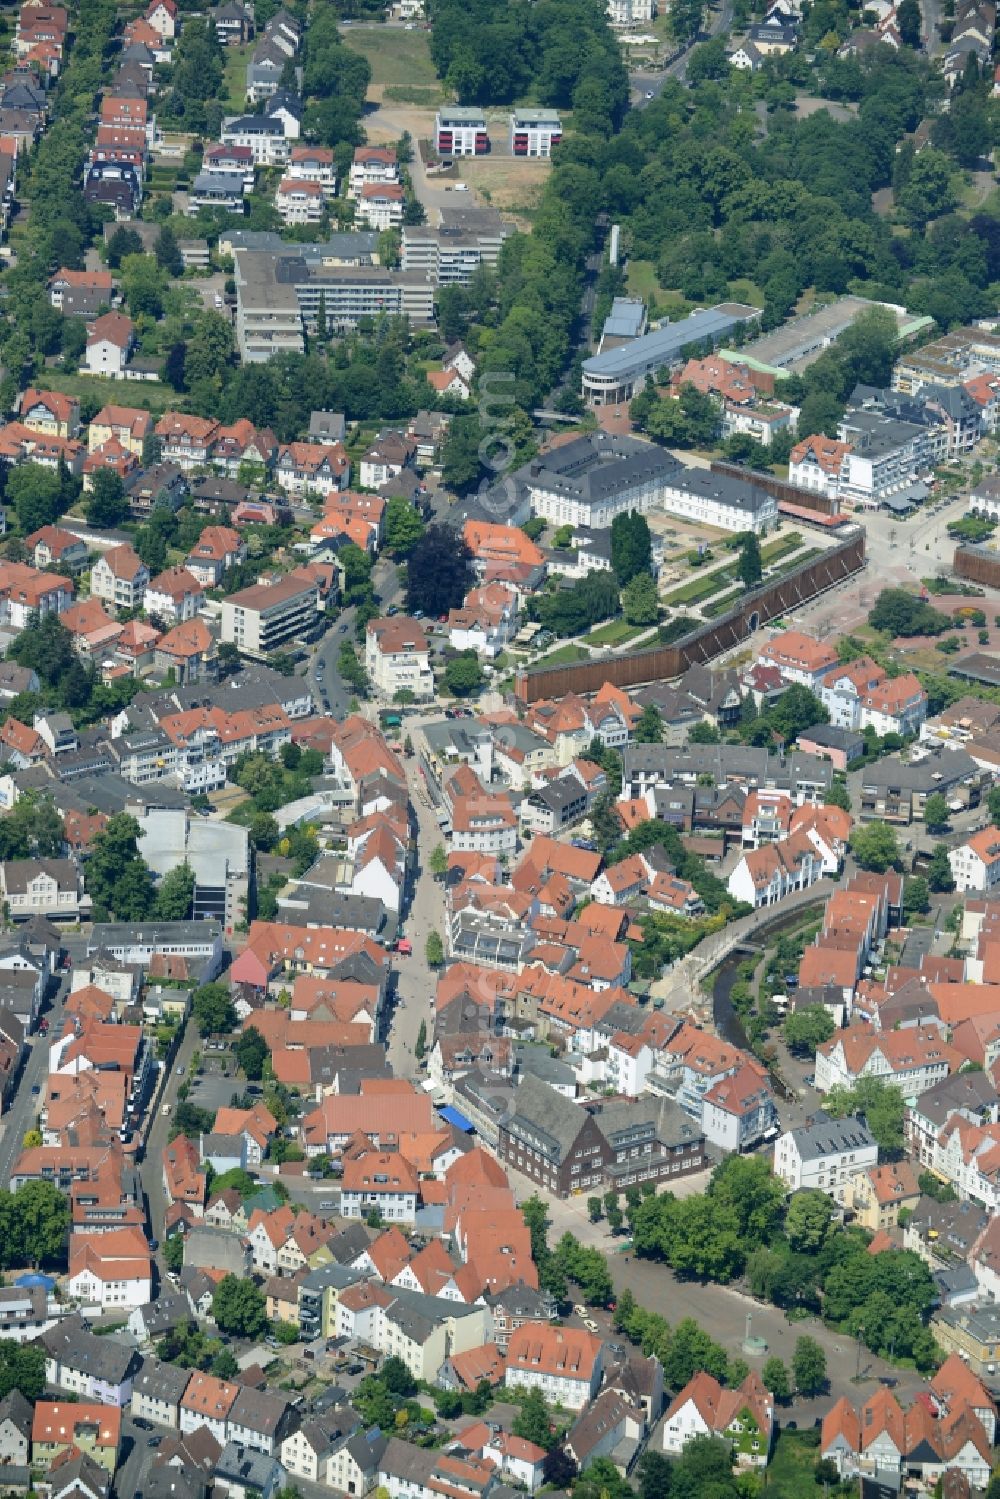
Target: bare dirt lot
(514, 187)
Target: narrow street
(415, 981)
(151, 1169)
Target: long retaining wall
(661, 663)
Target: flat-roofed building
(612, 377)
(460, 130)
(259, 619)
(533, 132)
(278, 299)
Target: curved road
(720, 21)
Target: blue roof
(452, 1116)
(33, 1278)
(665, 344)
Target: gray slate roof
(824, 1136)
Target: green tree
(808, 1221)
(533, 1422)
(213, 1009)
(809, 1367)
(939, 875)
(838, 796)
(115, 875)
(875, 847)
(35, 494)
(21, 1368)
(775, 1377)
(176, 894)
(908, 19)
(173, 1252)
(439, 573)
(460, 462)
(463, 674)
(649, 729)
(404, 526)
(124, 241)
(928, 193)
(750, 569)
(420, 1047)
(936, 813)
(807, 1028)
(264, 832)
(106, 506)
(438, 861)
(641, 600)
(631, 546)
(916, 896)
(796, 710)
(252, 1052)
(685, 20)
(882, 1105)
(167, 252)
(898, 612)
(434, 950)
(595, 1209)
(34, 1226)
(239, 1307)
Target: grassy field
(563, 655)
(234, 79)
(782, 547)
(151, 395)
(744, 290)
(396, 57)
(722, 603)
(700, 588)
(615, 633)
(642, 279)
(791, 1471)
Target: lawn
(151, 395)
(700, 588)
(234, 79)
(563, 655)
(396, 56)
(791, 1471)
(615, 633)
(643, 280)
(744, 290)
(722, 603)
(782, 547)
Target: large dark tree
(439, 574)
(631, 547)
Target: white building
(175, 595)
(397, 657)
(313, 164)
(265, 616)
(564, 1363)
(299, 202)
(631, 12)
(380, 205)
(120, 578)
(826, 1154)
(460, 130)
(533, 132)
(265, 137)
(379, 1182)
(109, 344)
(975, 864)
